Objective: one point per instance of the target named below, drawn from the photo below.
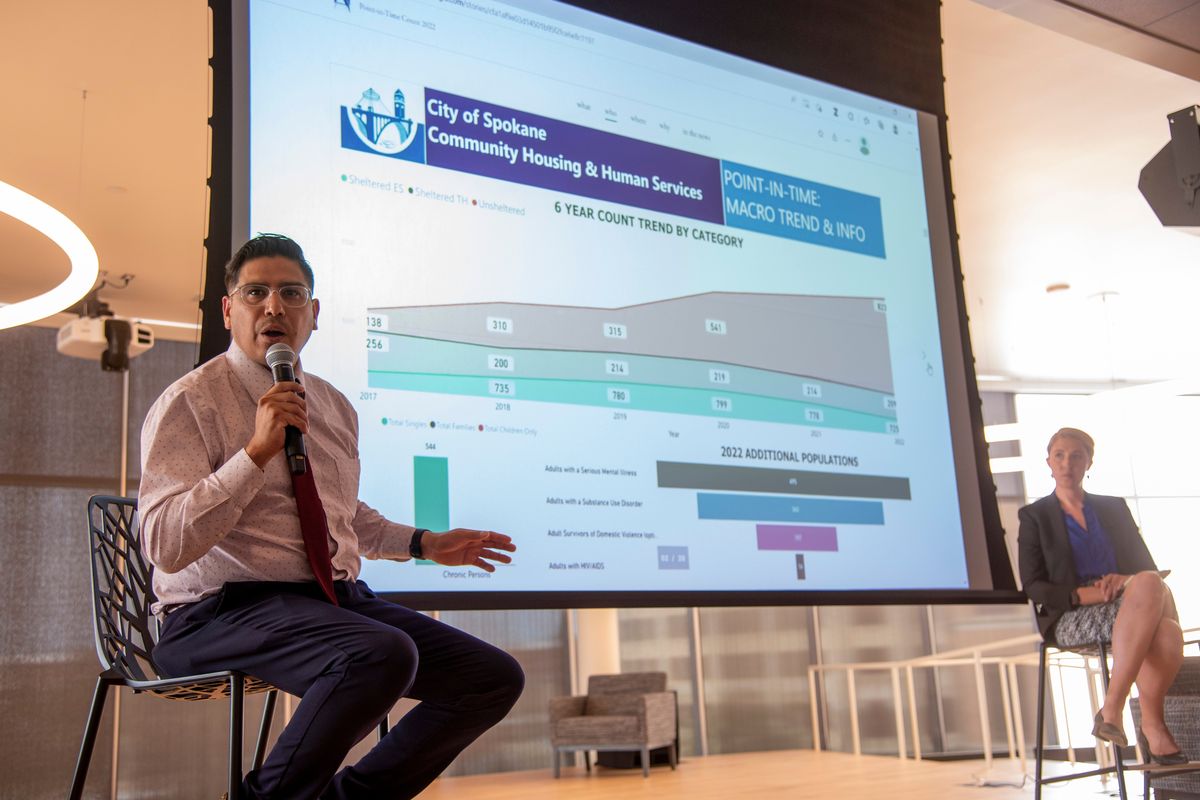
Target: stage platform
(800, 774)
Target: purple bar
(484, 139)
(797, 537)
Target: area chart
(794, 359)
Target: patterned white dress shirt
(210, 516)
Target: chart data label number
(814, 415)
(722, 404)
(720, 376)
(500, 362)
(715, 326)
(499, 325)
(615, 330)
(812, 391)
(617, 368)
(377, 322)
(618, 395)
(503, 388)
(377, 344)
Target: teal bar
(638, 397)
(431, 493)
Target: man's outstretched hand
(465, 547)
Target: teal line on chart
(640, 397)
(418, 355)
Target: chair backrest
(1187, 681)
(628, 683)
(122, 593)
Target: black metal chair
(122, 595)
(1118, 768)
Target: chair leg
(645, 762)
(587, 760)
(1040, 746)
(264, 729)
(1116, 749)
(236, 689)
(89, 738)
(672, 755)
(383, 727)
(556, 757)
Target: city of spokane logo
(369, 127)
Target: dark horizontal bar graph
(730, 478)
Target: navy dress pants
(349, 664)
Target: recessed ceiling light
(53, 224)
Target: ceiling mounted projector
(112, 340)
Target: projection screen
(685, 325)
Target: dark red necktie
(314, 529)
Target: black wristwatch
(1074, 598)
(414, 544)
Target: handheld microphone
(281, 359)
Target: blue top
(1094, 554)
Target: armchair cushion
(598, 730)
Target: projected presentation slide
(665, 316)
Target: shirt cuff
(394, 542)
(241, 479)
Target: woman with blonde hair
(1090, 576)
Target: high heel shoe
(1162, 759)
(1108, 732)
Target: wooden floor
(798, 774)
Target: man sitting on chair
(256, 566)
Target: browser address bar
(508, 16)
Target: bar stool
(1117, 768)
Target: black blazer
(1047, 564)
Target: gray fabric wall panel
(60, 415)
(872, 633)
(756, 678)
(965, 626)
(59, 444)
(659, 640)
(47, 650)
(537, 639)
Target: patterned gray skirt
(1087, 624)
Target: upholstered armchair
(633, 711)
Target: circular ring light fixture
(53, 224)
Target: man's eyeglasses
(255, 294)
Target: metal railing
(976, 657)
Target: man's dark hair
(262, 245)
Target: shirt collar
(255, 377)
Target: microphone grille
(280, 353)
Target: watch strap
(414, 544)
